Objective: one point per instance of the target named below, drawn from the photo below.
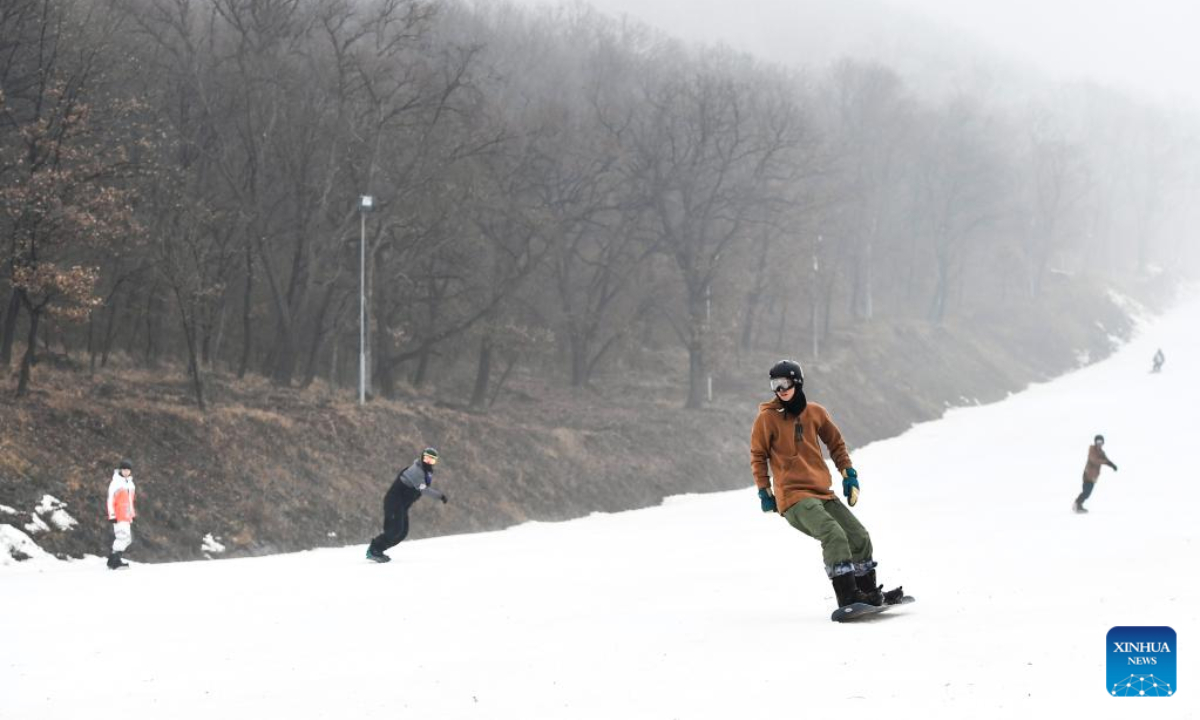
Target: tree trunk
(937, 305)
(11, 313)
(483, 376)
(150, 353)
(91, 343)
(436, 291)
(387, 380)
(866, 299)
(220, 338)
(194, 367)
(333, 366)
(753, 302)
(421, 374)
(189, 334)
(508, 367)
(697, 340)
(27, 361)
(697, 378)
(318, 339)
(108, 331)
(579, 359)
(781, 328)
(830, 284)
(284, 352)
(212, 321)
(815, 329)
(247, 307)
(755, 296)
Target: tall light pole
(708, 328)
(816, 271)
(366, 202)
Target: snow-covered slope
(701, 608)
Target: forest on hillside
(182, 182)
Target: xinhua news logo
(1141, 662)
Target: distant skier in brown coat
(1091, 471)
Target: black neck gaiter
(796, 405)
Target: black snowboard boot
(115, 562)
(377, 555)
(892, 597)
(846, 589)
(872, 593)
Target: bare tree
(1058, 183)
(707, 148)
(962, 191)
(869, 127)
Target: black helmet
(787, 369)
(125, 465)
(1098, 438)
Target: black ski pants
(1087, 492)
(395, 526)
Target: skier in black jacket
(412, 482)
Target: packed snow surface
(701, 608)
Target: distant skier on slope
(1091, 471)
(793, 480)
(1159, 359)
(408, 487)
(121, 513)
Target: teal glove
(850, 485)
(768, 500)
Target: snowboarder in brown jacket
(1091, 471)
(793, 480)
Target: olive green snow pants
(843, 538)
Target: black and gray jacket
(412, 482)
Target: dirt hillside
(270, 469)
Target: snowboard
(855, 611)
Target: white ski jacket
(120, 498)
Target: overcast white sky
(1148, 45)
(1145, 46)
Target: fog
(1143, 48)
(560, 185)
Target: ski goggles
(782, 384)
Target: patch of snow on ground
(36, 525)
(1141, 316)
(57, 511)
(16, 546)
(211, 546)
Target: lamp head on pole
(366, 202)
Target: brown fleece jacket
(1096, 458)
(787, 446)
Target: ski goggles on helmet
(782, 384)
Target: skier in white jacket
(121, 513)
